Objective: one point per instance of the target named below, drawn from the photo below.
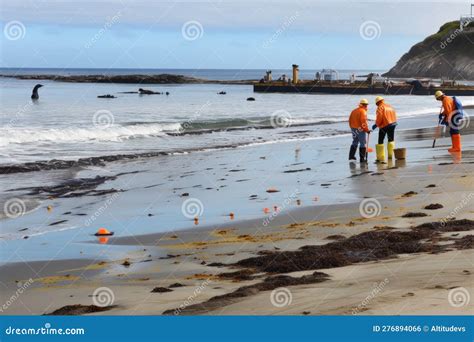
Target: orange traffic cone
(104, 232)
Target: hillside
(449, 53)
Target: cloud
(340, 16)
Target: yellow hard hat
(364, 102)
(378, 99)
(438, 94)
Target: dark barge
(359, 88)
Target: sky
(216, 34)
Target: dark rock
(78, 309)
(160, 290)
(434, 206)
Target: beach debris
(298, 202)
(196, 221)
(57, 222)
(107, 96)
(466, 242)
(268, 284)
(250, 98)
(306, 313)
(232, 216)
(316, 198)
(49, 208)
(298, 170)
(221, 93)
(434, 206)
(335, 237)
(22, 230)
(431, 186)
(176, 285)
(160, 290)
(415, 214)
(245, 274)
(103, 232)
(275, 208)
(78, 309)
(185, 194)
(409, 194)
(272, 190)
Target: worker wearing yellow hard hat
(451, 115)
(386, 121)
(360, 129)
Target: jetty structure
(442, 61)
(327, 81)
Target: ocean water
(211, 74)
(69, 121)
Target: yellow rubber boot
(380, 151)
(390, 148)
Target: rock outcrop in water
(449, 53)
(136, 79)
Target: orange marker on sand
(266, 210)
(104, 232)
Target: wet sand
(203, 270)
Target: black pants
(389, 131)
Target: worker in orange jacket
(450, 116)
(360, 129)
(386, 121)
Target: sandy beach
(288, 228)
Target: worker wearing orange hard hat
(386, 121)
(360, 129)
(451, 115)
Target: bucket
(400, 153)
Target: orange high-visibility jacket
(358, 119)
(385, 115)
(448, 107)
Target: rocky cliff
(449, 53)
